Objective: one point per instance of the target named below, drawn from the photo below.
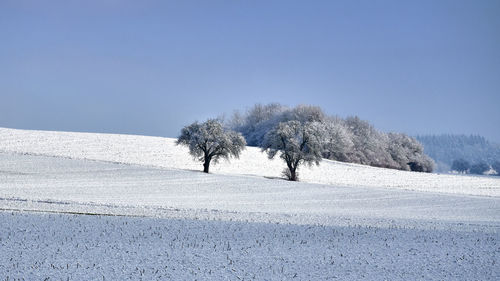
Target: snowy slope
(59, 181)
(162, 152)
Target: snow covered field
(150, 216)
(162, 152)
(61, 247)
(59, 181)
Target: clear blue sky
(151, 67)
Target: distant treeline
(445, 149)
(348, 140)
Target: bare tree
(297, 143)
(208, 141)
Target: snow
(96, 206)
(42, 178)
(162, 152)
(61, 247)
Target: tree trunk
(293, 175)
(206, 165)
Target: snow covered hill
(61, 184)
(162, 152)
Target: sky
(152, 67)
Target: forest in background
(445, 149)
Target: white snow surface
(144, 211)
(61, 181)
(162, 152)
(67, 247)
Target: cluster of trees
(302, 135)
(295, 142)
(349, 140)
(445, 149)
(479, 168)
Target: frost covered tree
(338, 140)
(408, 153)
(422, 163)
(365, 140)
(260, 119)
(209, 141)
(296, 143)
(257, 121)
(304, 113)
(348, 140)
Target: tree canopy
(209, 141)
(296, 143)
